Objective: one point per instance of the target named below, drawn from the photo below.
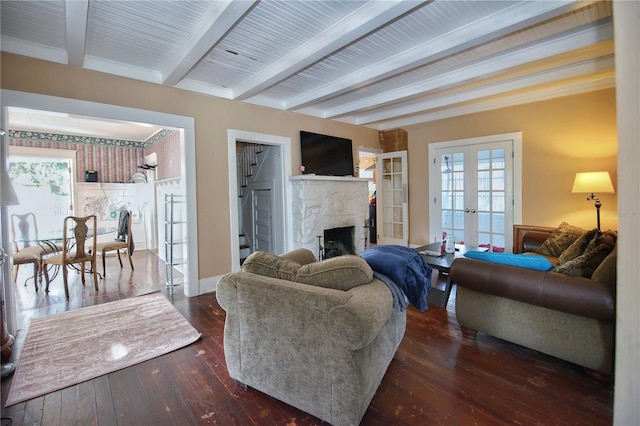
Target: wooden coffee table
(443, 263)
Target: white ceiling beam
(521, 83)
(563, 43)
(33, 50)
(76, 13)
(122, 69)
(588, 84)
(366, 19)
(204, 88)
(509, 20)
(218, 20)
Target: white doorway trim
(12, 98)
(234, 136)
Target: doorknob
(469, 210)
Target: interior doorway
(14, 99)
(280, 189)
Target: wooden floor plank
(105, 411)
(437, 377)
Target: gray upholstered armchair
(321, 345)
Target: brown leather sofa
(572, 318)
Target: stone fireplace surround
(325, 202)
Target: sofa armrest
(529, 237)
(573, 295)
(360, 320)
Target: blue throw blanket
(405, 267)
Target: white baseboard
(207, 285)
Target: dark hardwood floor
(437, 377)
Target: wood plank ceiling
(381, 64)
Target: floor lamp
(590, 183)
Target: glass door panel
(391, 198)
(491, 198)
(452, 170)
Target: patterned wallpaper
(169, 152)
(115, 160)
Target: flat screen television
(325, 155)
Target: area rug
(68, 348)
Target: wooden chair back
(81, 230)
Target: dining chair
(123, 241)
(25, 247)
(77, 232)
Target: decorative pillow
(270, 265)
(607, 237)
(585, 264)
(340, 272)
(578, 247)
(301, 255)
(606, 271)
(538, 263)
(560, 240)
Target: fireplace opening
(339, 241)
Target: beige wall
(559, 138)
(213, 116)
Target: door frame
(515, 137)
(284, 142)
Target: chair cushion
(111, 245)
(271, 265)
(340, 272)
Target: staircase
(247, 159)
(245, 248)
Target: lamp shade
(8, 196)
(592, 182)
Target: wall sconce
(590, 183)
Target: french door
(472, 190)
(392, 205)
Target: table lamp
(590, 183)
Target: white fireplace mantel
(325, 202)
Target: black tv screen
(326, 155)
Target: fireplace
(339, 241)
(326, 202)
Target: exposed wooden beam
(367, 18)
(76, 13)
(221, 17)
(507, 86)
(566, 42)
(509, 20)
